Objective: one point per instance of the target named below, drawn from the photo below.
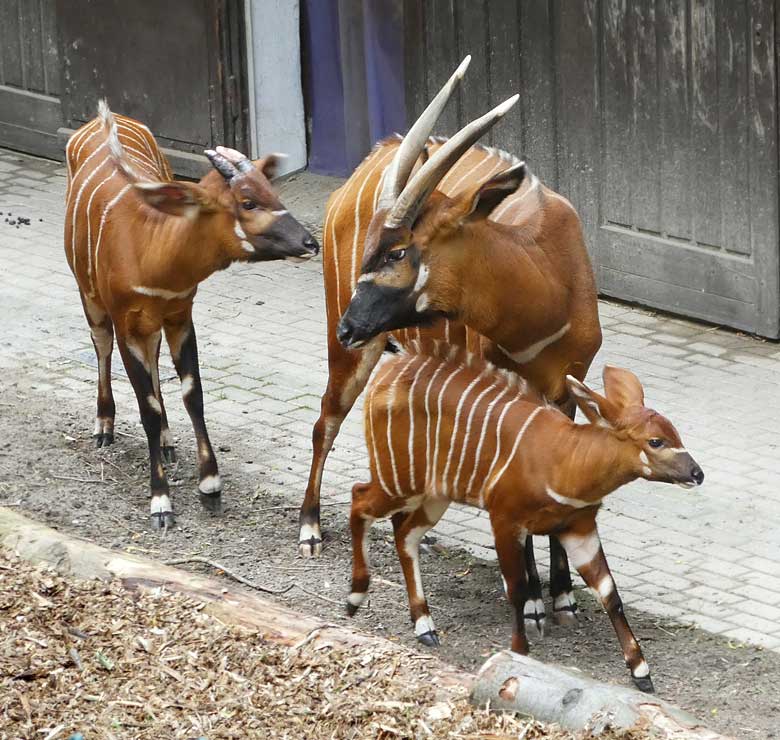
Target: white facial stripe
(283, 212)
(646, 470)
(367, 277)
(566, 501)
(422, 303)
(677, 450)
(422, 278)
(210, 484)
(643, 458)
(581, 549)
(240, 233)
(424, 624)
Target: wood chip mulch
(93, 658)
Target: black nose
(343, 333)
(698, 475)
(311, 244)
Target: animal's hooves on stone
(429, 639)
(162, 520)
(645, 684)
(535, 627)
(211, 502)
(566, 617)
(169, 454)
(311, 548)
(103, 440)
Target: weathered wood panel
(656, 118)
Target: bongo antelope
(455, 429)
(138, 243)
(427, 228)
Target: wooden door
(656, 118)
(176, 66)
(30, 108)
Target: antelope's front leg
(138, 354)
(409, 530)
(184, 351)
(583, 546)
(510, 548)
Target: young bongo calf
(456, 429)
(139, 243)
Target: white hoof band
(424, 624)
(161, 505)
(309, 531)
(534, 609)
(641, 671)
(211, 484)
(356, 599)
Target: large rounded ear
(175, 198)
(597, 409)
(622, 387)
(270, 164)
(484, 199)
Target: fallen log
(507, 681)
(511, 682)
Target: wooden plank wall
(656, 118)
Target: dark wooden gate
(177, 66)
(657, 118)
(30, 108)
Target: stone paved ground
(708, 557)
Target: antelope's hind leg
(166, 438)
(534, 613)
(409, 529)
(101, 330)
(180, 335)
(348, 372)
(510, 547)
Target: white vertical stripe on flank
(464, 447)
(447, 330)
(454, 436)
(131, 132)
(89, 230)
(75, 209)
(478, 453)
(497, 454)
(412, 481)
(380, 160)
(92, 129)
(106, 211)
(510, 457)
(513, 200)
(390, 400)
(332, 214)
(370, 402)
(428, 425)
(450, 377)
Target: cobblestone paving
(708, 557)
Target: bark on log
(508, 681)
(513, 682)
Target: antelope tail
(115, 148)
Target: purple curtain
(354, 79)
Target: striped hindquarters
(445, 426)
(103, 157)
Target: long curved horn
(417, 190)
(414, 141)
(221, 164)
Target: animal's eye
(248, 205)
(655, 442)
(396, 255)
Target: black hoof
(351, 609)
(169, 454)
(211, 502)
(103, 440)
(429, 639)
(644, 684)
(162, 520)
